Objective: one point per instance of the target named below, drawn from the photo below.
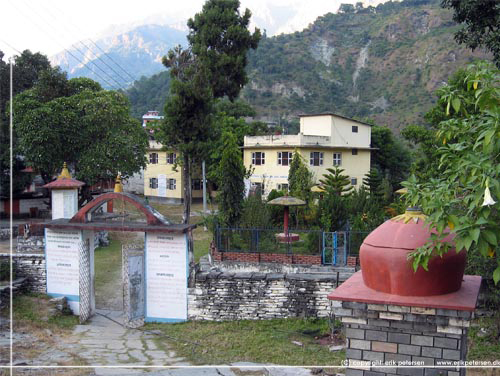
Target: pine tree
(300, 179)
(336, 182)
(231, 173)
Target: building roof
(64, 181)
(333, 114)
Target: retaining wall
(31, 267)
(222, 296)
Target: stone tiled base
(381, 337)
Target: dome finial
(64, 172)
(118, 184)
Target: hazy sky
(49, 26)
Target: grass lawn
(33, 311)
(107, 261)
(484, 339)
(265, 341)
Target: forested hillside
(384, 63)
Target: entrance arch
(153, 216)
(168, 261)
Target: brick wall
(222, 296)
(391, 335)
(264, 257)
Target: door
(85, 288)
(133, 285)
(334, 248)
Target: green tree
(89, 128)
(333, 212)
(336, 182)
(464, 194)
(187, 126)
(220, 39)
(481, 19)
(27, 68)
(231, 173)
(300, 178)
(390, 156)
(373, 182)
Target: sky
(50, 26)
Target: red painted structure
(155, 221)
(354, 290)
(386, 268)
(153, 217)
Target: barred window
(337, 159)
(171, 184)
(354, 181)
(354, 151)
(171, 158)
(153, 158)
(354, 129)
(258, 158)
(153, 183)
(284, 158)
(283, 187)
(316, 158)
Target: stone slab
(354, 290)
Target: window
(257, 188)
(153, 158)
(337, 159)
(354, 151)
(258, 158)
(283, 187)
(316, 158)
(354, 129)
(284, 158)
(196, 184)
(153, 183)
(354, 181)
(171, 158)
(171, 184)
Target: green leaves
(468, 163)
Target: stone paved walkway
(104, 341)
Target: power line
(69, 52)
(82, 53)
(99, 48)
(87, 47)
(9, 45)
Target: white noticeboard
(166, 277)
(62, 263)
(162, 185)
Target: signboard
(162, 185)
(62, 262)
(166, 277)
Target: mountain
(137, 51)
(383, 63)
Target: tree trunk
(186, 182)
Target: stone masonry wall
(222, 296)
(31, 267)
(391, 335)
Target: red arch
(153, 217)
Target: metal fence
(334, 247)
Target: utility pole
(204, 182)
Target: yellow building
(163, 177)
(325, 141)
